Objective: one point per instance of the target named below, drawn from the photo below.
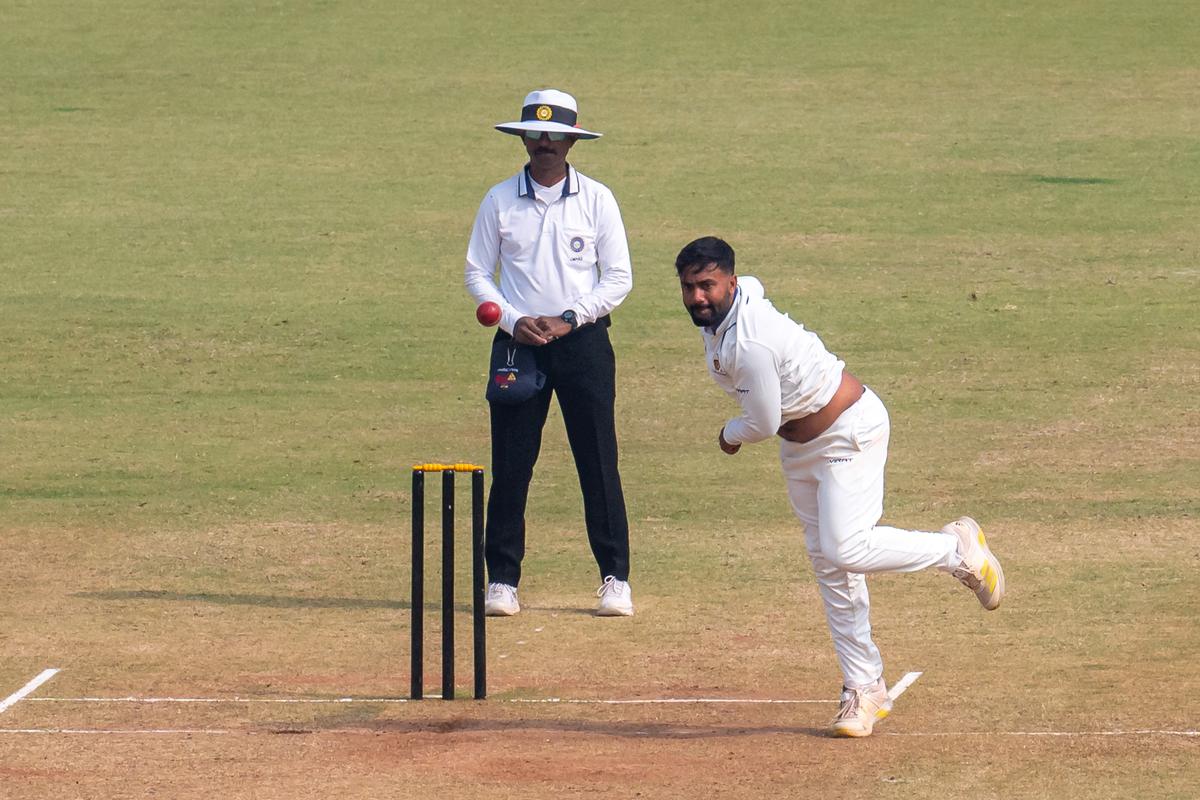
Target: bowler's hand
(728, 448)
(526, 331)
(552, 327)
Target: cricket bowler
(833, 435)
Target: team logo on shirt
(576, 244)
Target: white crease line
(103, 732)
(1051, 733)
(901, 685)
(668, 701)
(374, 732)
(896, 690)
(18, 695)
(217, 700)
(342, 700)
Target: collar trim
(525, 183)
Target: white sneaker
(978, 570)
(860, 709)
(501, 600)
(616, 600)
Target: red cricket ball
(488, 313)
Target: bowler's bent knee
(851, 553)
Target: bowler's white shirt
(771, 365)
(568, 253)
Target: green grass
(233, 236)
(233, 316)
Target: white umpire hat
(548, 110)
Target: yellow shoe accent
(860, 709)
(979, 569)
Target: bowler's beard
(715, 319)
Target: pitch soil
(502, 750)
(1053, 695)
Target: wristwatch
(568, 317)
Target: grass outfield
(232, 240)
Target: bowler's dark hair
(704, 251)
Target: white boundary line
(19, 695)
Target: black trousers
(581, 370)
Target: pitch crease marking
(899, 687)
(32, 686)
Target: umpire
(557, 239)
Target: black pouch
(513, 376)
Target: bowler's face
(707, 293)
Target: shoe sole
(500, 612)
(991, 592)
(851, 733)
(614, 612)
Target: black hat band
(544, 112)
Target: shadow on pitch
(260, 600)
(621, 729)
(583, 612)
(287, 601)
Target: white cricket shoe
(978, 569)
(860, 709)
(501, 600)
(616, 599)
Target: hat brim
(519, 128)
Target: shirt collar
(525, 183)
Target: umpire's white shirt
(771, 365)
(558, 249)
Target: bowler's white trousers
(835, 484)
